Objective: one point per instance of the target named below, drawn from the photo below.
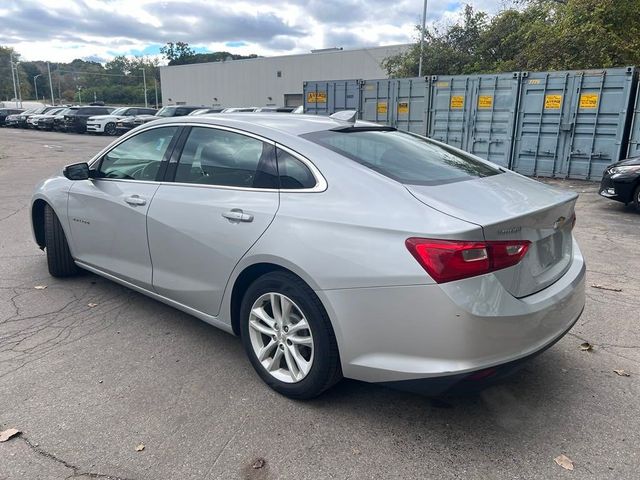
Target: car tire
(110, 129)
(636, 198)
(59, 259)
(324, 370)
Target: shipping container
(573, 124)
(328, 97)
(475, 113)
(633, 145)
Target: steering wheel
(149, 171)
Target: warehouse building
(268, 81)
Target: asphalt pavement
(91, 372)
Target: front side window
(139, 157)
(404, 157)
(293, 174)
(219, 157)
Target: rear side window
(219, 157)
(404, 157)
(293, 174)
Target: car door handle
(237, 215)
(135, 200)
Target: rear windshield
(405, 157)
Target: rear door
(107, 214)
(221, 199)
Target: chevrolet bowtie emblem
(558, 223)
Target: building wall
(255, 82)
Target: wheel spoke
(276, 307)
(262, 328)
(264, 351)
(264, 316)
(301, 340)
(301, 325)
(292, 365)
(275, 361)
(302, 364)
(285, 310)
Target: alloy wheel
(281, 337)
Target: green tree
(177, 53)
(539, 35)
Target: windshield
(166, 112)
(120, 111)
(405, 157)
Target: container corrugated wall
(475, 113)
(328, 97)
(400, 102)
(572, 124)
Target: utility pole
(144, 80)
(424, 22)
(155, 86)
(53, 102)
(35, 85)
(58, 75)
(13, 79)
(18, 80)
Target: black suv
(76, 120)
(5, 112)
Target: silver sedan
(332, 247)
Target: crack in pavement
(77, 471)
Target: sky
(62, 30)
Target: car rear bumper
(391, 334)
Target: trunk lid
(511, 207)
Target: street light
(144, 80)
(424, 21)
(35, 85)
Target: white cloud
(61, 30)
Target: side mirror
(77, 171)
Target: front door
(107, 214)
(223, 198)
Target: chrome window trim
(321, 182)
(320, 186)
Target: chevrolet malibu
(332, 247)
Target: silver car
(332, 247)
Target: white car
(107, 123)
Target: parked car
(20, 119)
(239, 109)
(621, 182)
(275, 109)
(331, 246)
(55, 121)
(165, 112)
(107, 123)
(33, 120)
(203, 111)
(5, 112)
(76, 120)
(17, 119)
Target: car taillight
(448, 260)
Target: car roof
(294, 124)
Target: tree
(177, 53)
(539, 35)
